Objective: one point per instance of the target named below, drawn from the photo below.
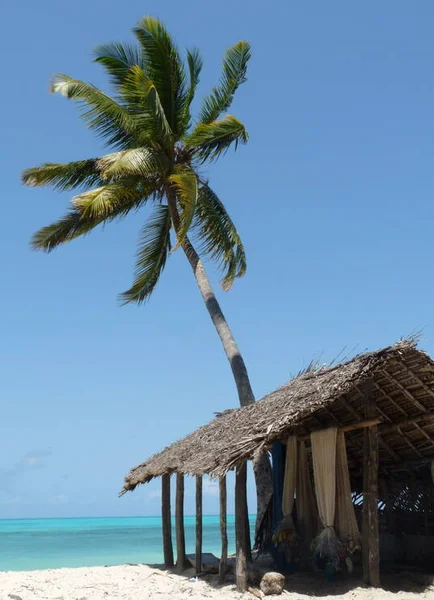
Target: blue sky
(332, 195)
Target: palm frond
(233, 75)
(154, 248)
(90, 209)
(140, 91)
(145, 162)
(218, 236)
(69, 227)
(185, 183)
(195, 64)
(64, 176)
(117, 59)
(112, 199)
(109, 119)
(209, 140)
(162, 64)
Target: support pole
(248, 538)
(370, 533)
(198, 524)
(223, 528)
(240, 527)
(181, 560)
(166, 521)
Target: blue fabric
(278, 458)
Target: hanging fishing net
(307, 512)
(345, 519)
(326, 544)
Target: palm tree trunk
(236, 361)
(261, 464)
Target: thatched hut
(384, 404)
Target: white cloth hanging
(290, 477)
(346, 525)
(307, 512)
(324, 470)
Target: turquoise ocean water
(27, 544)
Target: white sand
(142, 583)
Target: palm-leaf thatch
(402, 379)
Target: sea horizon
(60, 542)
(104, 517)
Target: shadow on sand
(306, 584)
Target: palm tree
(158, 153)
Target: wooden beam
(223, 529)
(390, 450)
(387, 427)
(404, 390)
(370, 533)
(389, 398)
(428, 390)
(409, 443)
(166, 521)
(240, 527)
(424, 433)
(417, 461)
(348, 406)
(358, 425)
(181, 560)
(198, 524)
(356, 414)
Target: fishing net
(345, 519)
(307, 512)
(326, 544)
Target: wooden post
(240, 527)
(167, 521)
(181, 560)
(370, 534)
(223, 528)
(248, 538)
(198, 524)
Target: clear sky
(333, 196)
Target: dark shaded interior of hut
(405, 505)
(352, 453)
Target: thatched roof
(402, 379)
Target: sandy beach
(141, 582)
